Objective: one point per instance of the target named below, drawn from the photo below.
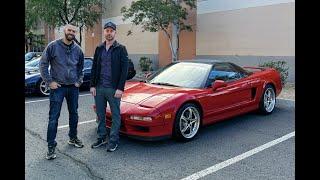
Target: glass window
(29, 56)
(33, 63)
(241, 70)
(87, 63)
(183, 74)
(223, 71)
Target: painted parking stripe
(240, 157)
(36, 101)
(48, 99)
(287, 99)
(83, 122)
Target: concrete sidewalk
(288, 92)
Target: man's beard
(109, 37)
(69, 37)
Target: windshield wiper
(163, 83)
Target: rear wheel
(268, 100)
(187, 122)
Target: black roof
(206, 61)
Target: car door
(233, 96)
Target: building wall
(187, 42)
(113, 7)
(139, 43)
(92, 38)
(49, 34)
(247, 32)
(244, 31)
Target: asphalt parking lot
(227, 150)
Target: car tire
(186, 127)
(268, 100)
(42, 90)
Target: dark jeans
(104, 95)
(71, 93)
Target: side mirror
(218, 84)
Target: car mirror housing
(218, 84)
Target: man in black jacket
(108, 77)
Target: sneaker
(99, 143)
(76, 142)
(51, 153)
(112, 147)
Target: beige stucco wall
(138, 42)
(92, 37)
(112, 7)
(258, 31)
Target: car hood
(147, 95)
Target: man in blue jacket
(108, 77)
(66, 60)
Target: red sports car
(184, 96)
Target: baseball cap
(110, 24)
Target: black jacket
(119, 66)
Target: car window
(223, 71)
(28, 55)
(87, 63)
(241, 70)
(33, 63)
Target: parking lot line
(83, 122)
(48, 99)
(287, 99)
(240, 157)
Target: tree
(56, 13)
(156, 15)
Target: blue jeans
(104, 95)
(71, 93)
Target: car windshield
(33, 63)
(28, 55)
(87, 63)
(183, 74)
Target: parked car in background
(33, 64)
(31, 55)
(35, 84)
(184, 96)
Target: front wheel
(43, 89)
(268, 100)
(187, 122)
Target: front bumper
(142, 130)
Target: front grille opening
(141, 128)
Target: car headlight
(140, 118)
